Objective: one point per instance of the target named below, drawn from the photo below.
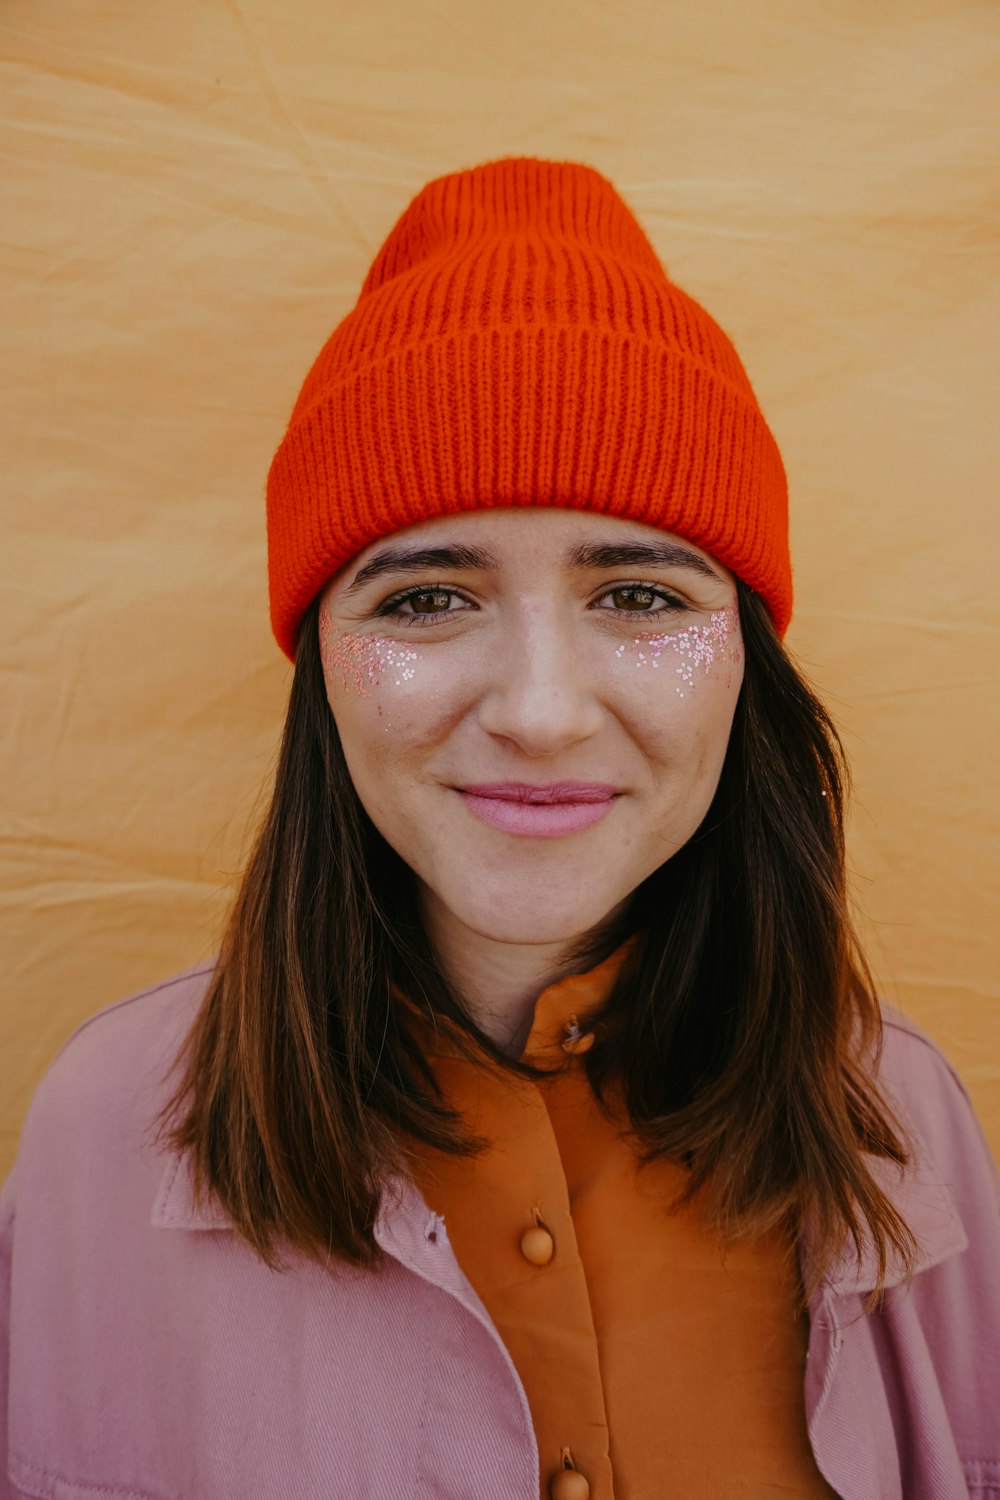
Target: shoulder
(922, 1084)
(125, 1040)
(107, 1079)
(914, 1065)
(139, 1017)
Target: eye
(427, 604)
(635, 601)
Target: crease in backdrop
(190, 199)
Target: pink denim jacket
(147, 1354)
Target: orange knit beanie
(517, 342)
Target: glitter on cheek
(364, 662)
(696, 650)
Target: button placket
(479, 1209)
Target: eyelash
(390, 609)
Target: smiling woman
(547, 1129)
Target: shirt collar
(561, 1009)
(559, 1014)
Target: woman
(537, 1129)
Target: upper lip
(555, 791)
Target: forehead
(545, 533)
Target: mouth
(540, 811)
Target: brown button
(567, 1483)
(537, 1245)
(575, 1040)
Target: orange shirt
(656, 1365)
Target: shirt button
(537, 1245)
(575, 1040)
(568, 1483)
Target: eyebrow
(587, 555)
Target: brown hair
(738, 1027)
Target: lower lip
(542, 820)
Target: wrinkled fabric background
(191, 196)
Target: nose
(540, 695)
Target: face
(534, 706)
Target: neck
(500, 982)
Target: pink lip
(541, 811)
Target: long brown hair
(743, 1030)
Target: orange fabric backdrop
(191, 197)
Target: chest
(218, 1377)
(226, 1379)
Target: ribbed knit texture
(517, 342)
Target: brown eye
(633, 598)
(429, 603)
(423, 607)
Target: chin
(531, 916)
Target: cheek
(682, 687)
(689, 659)
(678, 694)
(358, 666)
(383, 693)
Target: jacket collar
(174, 1206)
(919, 1194)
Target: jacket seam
(153, 989)
(418, 1466)
(910, 1028)
(980, 1465)
(24, 1472)
(826, 1319)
